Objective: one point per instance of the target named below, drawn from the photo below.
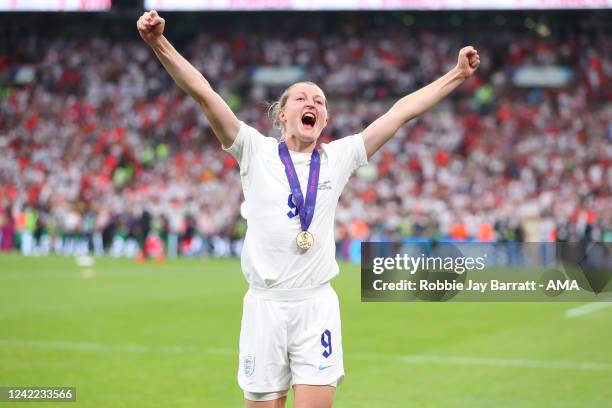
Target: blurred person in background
(7, 229)
(513, 147)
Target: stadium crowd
(100, 150)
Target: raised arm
(223, 121)
(419, 102)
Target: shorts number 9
(326, 343)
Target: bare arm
(419, 102)
(223, 121)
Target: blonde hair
(275, 107)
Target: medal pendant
(304, 240)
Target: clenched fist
(468, 61)
(150, 26)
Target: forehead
(308, 89)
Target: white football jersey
(270, 255)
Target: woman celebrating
(290, 333)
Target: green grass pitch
(147, 335)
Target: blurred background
(104, 159)
(101, 150)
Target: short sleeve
(247, 142)
(346, 155)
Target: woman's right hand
(150, 26)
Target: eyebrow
(304, 93)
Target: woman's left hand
(468, 61)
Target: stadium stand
(100, 150)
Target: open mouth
(309, 120)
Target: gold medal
(304, 240)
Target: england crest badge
(249, 365)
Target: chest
(269, 190)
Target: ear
(282, 117)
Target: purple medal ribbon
(313, 184)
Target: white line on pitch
(493, 362)
(410, 359)
(588, 308)
(128, 348)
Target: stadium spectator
(92, 133)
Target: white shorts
(288, 337)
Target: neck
(296, 145)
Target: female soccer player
(290, 332)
